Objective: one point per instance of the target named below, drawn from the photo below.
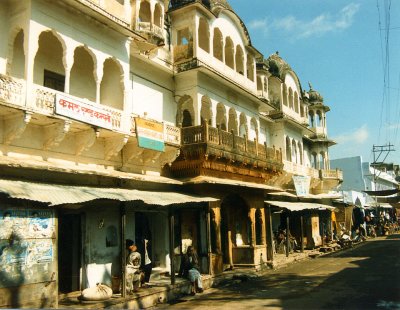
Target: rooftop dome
(219, 3)
(211, 4)
(314, 96)
(277, 66)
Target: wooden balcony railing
(229, 142)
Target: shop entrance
(69, 252)
(235, 226)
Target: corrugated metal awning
(300, 206)
(214, 180)
(309, 196)
(54, 194)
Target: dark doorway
(69, 252)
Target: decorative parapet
(12, 91)
(95, 5)
(299, 169)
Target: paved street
(365, 277)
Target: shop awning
(300, 206)
(309, 196)
(213, 180)
(54, 194)
(387, 192)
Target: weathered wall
(27, 257)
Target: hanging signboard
(301, 184)
(82, 111)
(150, 134)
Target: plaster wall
(4, 27)
(152, 92)
(352, 173)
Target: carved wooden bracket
(84, 140)
(55, 134)
(15, 126)
(114, 145)
(150, 156)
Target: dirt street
(365, 277)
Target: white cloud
(296, 28)
(258, 24)
(356, 137)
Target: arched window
(288, 149)
(145, 12)
(232, 122)
(49, 69)
(311, 119)
(82, 81)
(285, 95)
(239, 59)
(254, 129)
(204, 35)
(221, 117)
(300, 148)
(250, 67)
(318, 119)
(243, 129)
(314, 160)
(229, 52)
(111, 87)
(185, 112)
(296, 102)
(291, 104)
(18, 58)
(187, 119)
(205, 111)
(218, 45)
(158, 15)
(322, 160)
(294, 151)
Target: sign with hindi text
(150, 134)
(82, 111)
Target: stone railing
(148, 27)
(12, 91)
(229, 142)
(43, 99)
(299, 169)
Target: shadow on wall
(12, 260)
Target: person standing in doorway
(147, 266)
(190, 269)
(133, 273)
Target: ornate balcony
(150, 30)
(214, 152)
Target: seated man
(133, 273)
(190, 269)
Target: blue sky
(338, 46)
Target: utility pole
(380, 151)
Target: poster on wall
(41, 224)
(13, 222)
(302, 184)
